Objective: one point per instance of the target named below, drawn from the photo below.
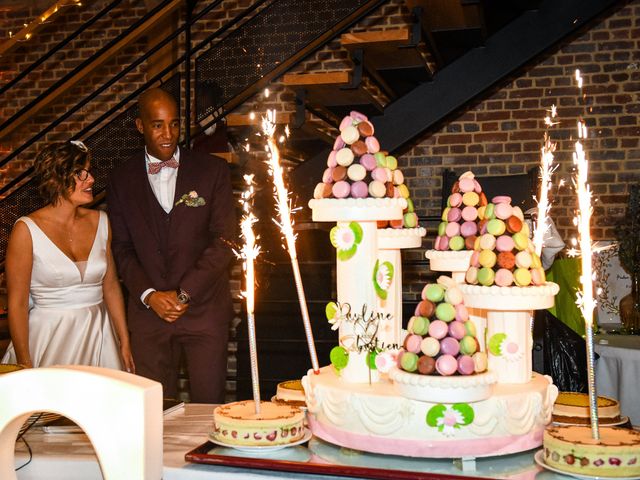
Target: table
(618, 371)
(71, 457)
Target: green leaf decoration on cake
(339, 357)
(466, 411)
(434, 414)
(449, 418)
(494, 344)
(371, 360)
(345, 238)
(334, 316)
(382, 278)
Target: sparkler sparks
(546, 172)
(283, 204)
(250, 251)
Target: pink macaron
(373, 146)
(368, 161)
(501, 199)
(454, 215)
(359, 117)
(503, 210)
(339, 143)
(476, 186)
(327, 176)
(466, 365)
(341, 189)
(469, 214)
(446, 365)
(474, 261)
(380, 174)
(462, 314)
(466, 185)
(504, 243)
(359, 190)
(455, 200)
(468, 229)
(346, 122)
(452, 229)
(503, 278)
(331, 159)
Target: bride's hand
(127, 359)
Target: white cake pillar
(457, 263)
(354, 273)
(509, 337)
(509, 311)
(390, 243)
(355, 289)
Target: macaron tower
(459, 228)
(360, 187)
(441, 341)
(506, 278)
(504, 254)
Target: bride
(65, 303)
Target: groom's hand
(166, 305)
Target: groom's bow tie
(155, 167)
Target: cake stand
(509, 311)
(390, 243)
(356, 240)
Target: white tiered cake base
(374, 418)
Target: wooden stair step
(333, 94)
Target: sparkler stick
(585, 298)
(546, 172)
(286, 226)
(250, 251)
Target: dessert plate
(261, 448)
(539, 458)
(623, 421)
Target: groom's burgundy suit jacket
(187, 248)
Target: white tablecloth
(71, 456)
(618, 372)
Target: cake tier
(434, 388)
(238, 424)
(395, 238)
(509, 298)
(356, 209)
(573, 407)
(290, 392)
(572, 449)
(449, 260)
(376, 419)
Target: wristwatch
(183, 297)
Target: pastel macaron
(341, 189)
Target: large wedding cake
(434, 391)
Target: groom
(172, 216)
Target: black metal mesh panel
(110, 146)
(247, 54)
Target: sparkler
(250, 251)
(585, 299)
(286, 226)
(546, 172)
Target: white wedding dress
(68, 319)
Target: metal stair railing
(31, 67)
(282, 57)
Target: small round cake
(573, 408)
(572, 449)
(238, 424)
(290, 392)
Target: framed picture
(612, 283)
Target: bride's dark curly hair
(56, 165)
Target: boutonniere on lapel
(191, 199)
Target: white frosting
(510, 298)
(398, 238)
(449, 260)
(348, 209)
(434, 388)
(379, 412)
